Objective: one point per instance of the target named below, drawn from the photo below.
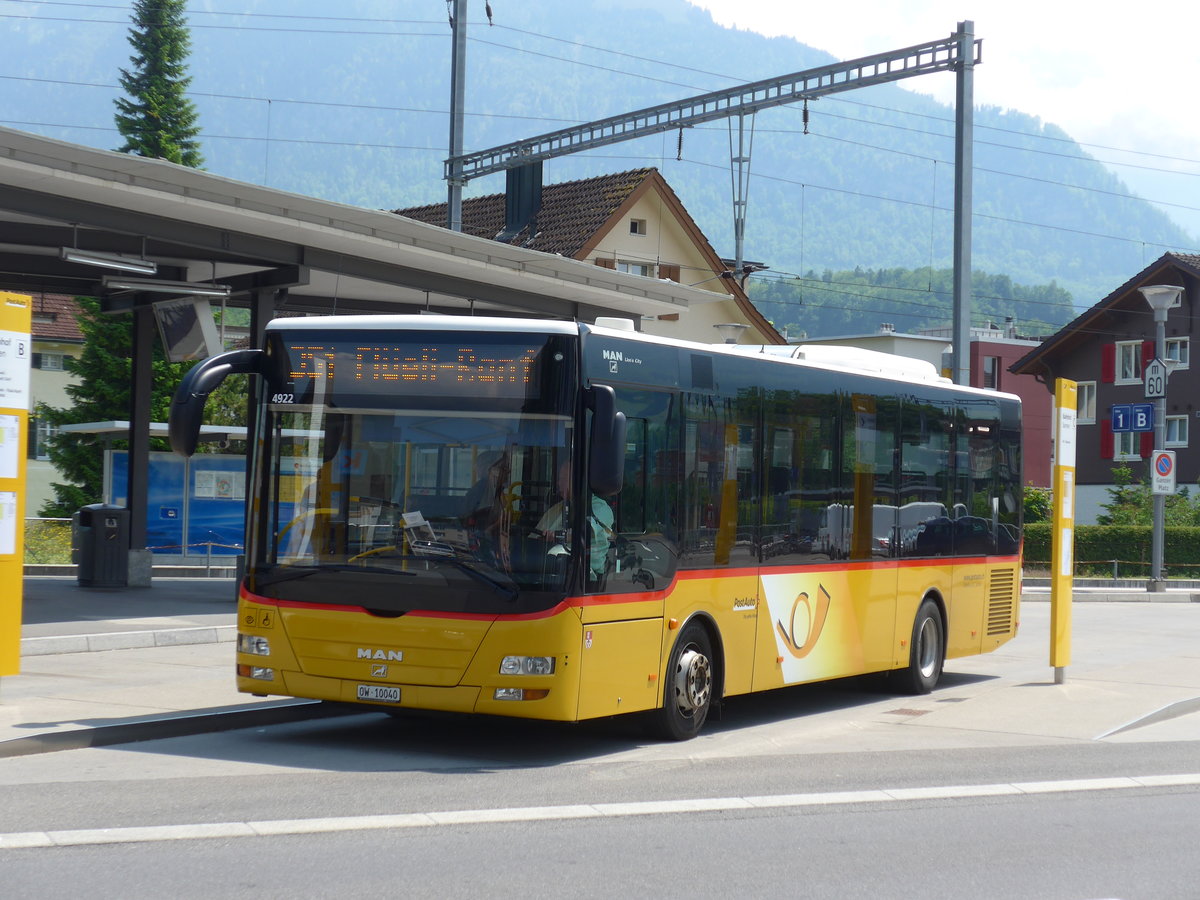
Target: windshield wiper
(507, 588)
(510, 589)
(292, 572)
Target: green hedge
(1096, 546)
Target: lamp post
(1160, 297)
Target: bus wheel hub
(693, 681)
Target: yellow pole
(15, 356)
(1063, 533)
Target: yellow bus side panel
(967, 601)
(825, 623)
(559, 636)
(914, 584)
(620, 671)
(733, 605)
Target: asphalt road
(835, 790)
(260, 816)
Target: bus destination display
(482, 369)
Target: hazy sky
(1115, 77)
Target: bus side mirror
(187, 409)
(606, 457)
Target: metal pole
(1160, 298)
(1157, 580)
(964, 102)
(458, 84)
(741, 175)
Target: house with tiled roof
(1105, 351)
(632, 222)
(56, 336)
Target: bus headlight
(253, 644)
(527, 665)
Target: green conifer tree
(156, 118)
(101, 394)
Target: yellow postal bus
(561, 521)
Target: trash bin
(102, 537)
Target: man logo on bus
(800, 643)
(386, 655)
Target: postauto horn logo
(800, 641)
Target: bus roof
(835, 358)
(436, 322)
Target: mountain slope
(354, 109)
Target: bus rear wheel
(688, 693)
(927, 651)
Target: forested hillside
(861, 300)
(353, 109)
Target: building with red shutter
(1106, 350)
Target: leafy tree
(156, 118)
(101, 394)
(1132, 503)
(1037, 502)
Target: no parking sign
(1162, 478)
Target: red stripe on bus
(591, 600)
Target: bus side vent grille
(1000, 601)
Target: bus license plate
(379, 693)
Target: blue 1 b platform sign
(1133, 417)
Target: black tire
(688, 692)
(926, 651)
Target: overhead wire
(871, 123)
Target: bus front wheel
(688, 693)
(927, 651)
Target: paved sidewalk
(111, 665)
(62, 617)
(105, 666)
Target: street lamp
(1160, 297)
(731, 331)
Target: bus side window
(926, 444)
(643, 555)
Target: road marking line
(24, 840)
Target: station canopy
(66, 211)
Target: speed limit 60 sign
(1155, 379)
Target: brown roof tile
(570, 215)
(1092, 319)
(54, 318)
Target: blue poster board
(212, 510)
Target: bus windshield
(428, 497)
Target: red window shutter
(605, 262)
(1147, 354)
(1106, 439)
(1147, 444)
(1108, 364)
(669, 272)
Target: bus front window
(415, 492)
